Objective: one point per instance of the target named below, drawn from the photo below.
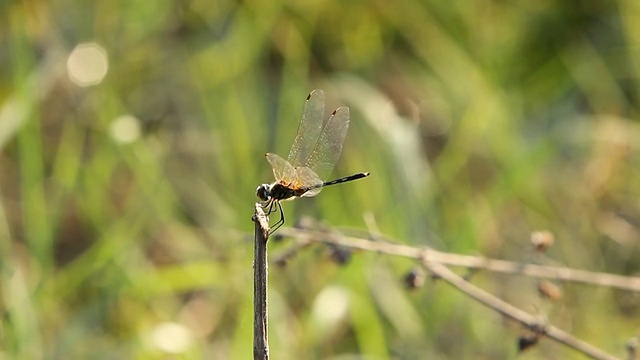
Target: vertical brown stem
(260, 336)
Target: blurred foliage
(480, 122)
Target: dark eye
(263, 192)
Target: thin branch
(628, 283)
(435, 262)
(260, 315)
(515, 313)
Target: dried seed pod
(340, 254)
(542, 240)
(415, 278)
(549, 290)
(527, 341)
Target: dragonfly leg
(269, 207)
(280, 222)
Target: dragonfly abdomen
(346, 178)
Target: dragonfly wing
(307, 178)
(308, 130)
(327, 149)
(282, 170)
(312, 192)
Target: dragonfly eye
(263, 192)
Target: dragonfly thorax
(277, 191)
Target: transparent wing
(282, 170)
(308, 130)
(307, 178)
(327, 149)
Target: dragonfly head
(264, 192)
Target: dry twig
(435, 262)
(260, 315)
(472, 262)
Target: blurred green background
(132, 139)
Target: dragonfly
(315, 151)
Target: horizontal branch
(515, 313)
(472, 262)
(435, 262)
